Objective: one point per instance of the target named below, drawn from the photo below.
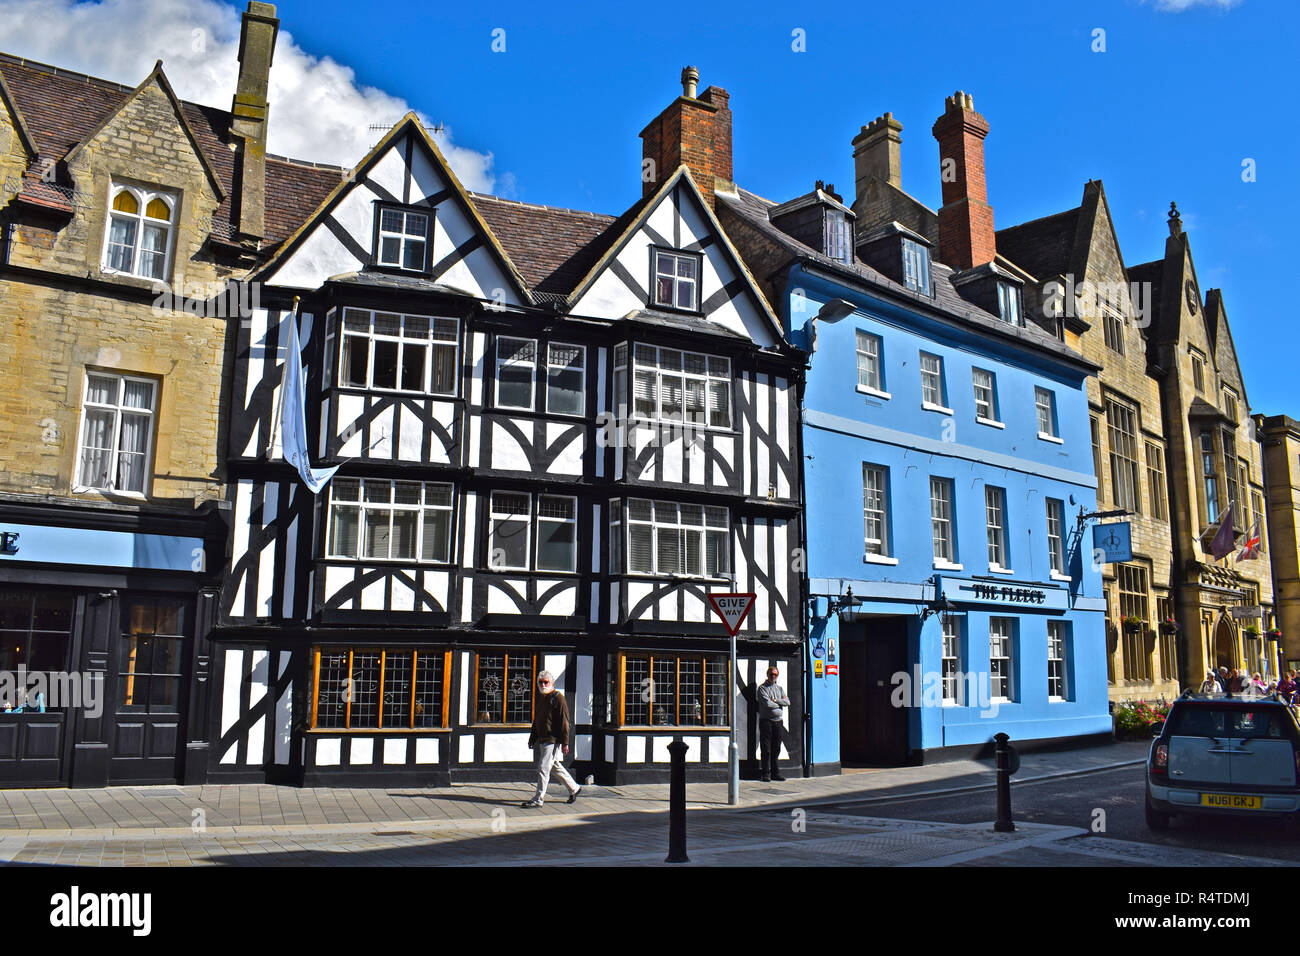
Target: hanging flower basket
(1169, 626)
(1275, 635)
(1251, 630)
(1133, 624)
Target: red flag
(1253, 545)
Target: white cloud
(318, 110)
(1178, 6)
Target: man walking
(771, 701)
(549, 739)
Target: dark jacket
(550, 720)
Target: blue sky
(1168, 112)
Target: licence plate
(1231, 801)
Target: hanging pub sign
(1113, 542)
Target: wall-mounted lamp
(940, 605)
(846, 603)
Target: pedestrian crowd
(1238, 683)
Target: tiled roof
(946, 300)
(552, 248)
(62, 108)
(1041, 246)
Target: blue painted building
(947, 464)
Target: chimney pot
(690, 78)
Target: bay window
(684, 539)
(383, 520)
(670, 385)
(388, 350)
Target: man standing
(771, 701)
(549, 739)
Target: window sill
(991, 422)
(674, 728)
(1057, 700)
(674, 423)
(947, 566)
(381, 730)
(877, 393)
(491, 570)
(384, 390)
(998, 569)
(110, 493)
(931, 407)
(670, 576)
(1043, 436)
(878, 559)
(396, 562)
(1058, 576)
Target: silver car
(1224, 755)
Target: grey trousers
(549, 757)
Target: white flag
(293, 415)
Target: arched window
(139, 243)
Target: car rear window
(1229, 722)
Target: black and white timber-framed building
(558, 432)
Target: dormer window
(676, 280)
(916, 266)
(838, 236)
(1009, 307)
(403, 238)
(139, 238)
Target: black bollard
(677, 805)
(1003, 823)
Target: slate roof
(61, 108)
(946, 302)
(1041, 246)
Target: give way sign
(732, 608)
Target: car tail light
(1160, 759)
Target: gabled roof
(946, 301)
(156, 75)
(20, 124)
(627, 225)
(62, 109)
(408, 124)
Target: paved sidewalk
(228, 809)
(790, 823)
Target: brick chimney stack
(965, 219)
(249, 113)
(695, 131)
(877, 153)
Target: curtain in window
(131, 454)
(96, 448)
(121, 244)
(153, 252)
